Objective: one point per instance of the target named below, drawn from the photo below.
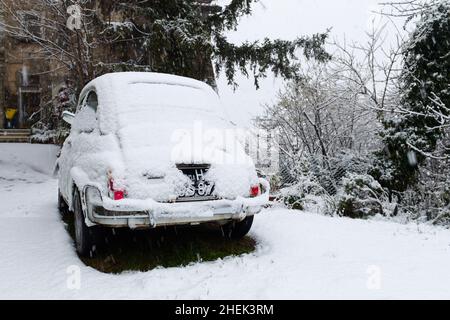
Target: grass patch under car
(122, 250)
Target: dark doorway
(29, 105)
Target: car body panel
(140, 144)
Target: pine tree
(186, 38)
(411, 136)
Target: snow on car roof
(121, 79)
(113, 91)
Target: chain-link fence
(281, 167)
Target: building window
(29, 24)
(25, 79)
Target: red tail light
(254, 191)
(113, 193)
(118, 195)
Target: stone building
(28, 79)
(2, 72)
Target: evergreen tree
(182, 37)
(412, 134)
(186, 38)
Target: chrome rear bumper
(150, 214)
(150, 220)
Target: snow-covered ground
(299, 255)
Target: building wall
(18, 57)
(2, 74)
(27, 78)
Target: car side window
(86, 117)
(92, 101)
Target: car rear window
(162, 95)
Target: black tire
(237, 230)
(62, 205)
(84, 236)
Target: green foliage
(306, 190)
(260, 57)
(361, 196)
(427, 68)
(51, 128)
(294, 202)
(159, 36)
(181, 37)
(412, 135)
(275, 183)
(392, 167)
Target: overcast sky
(288, 19)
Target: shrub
(360, 196)
(307, 191)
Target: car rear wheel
(62, 205)
(237, 230)
(84, 236)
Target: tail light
(254, 191)
(114, 192)
(119, 195)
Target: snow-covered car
(148, 150)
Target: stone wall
(20, 59)
(2, 75)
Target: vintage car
(148, 150)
